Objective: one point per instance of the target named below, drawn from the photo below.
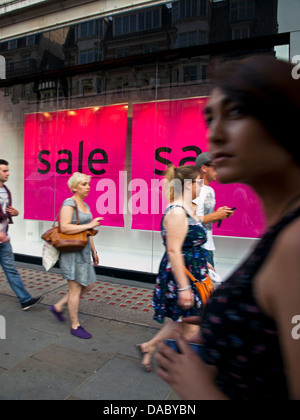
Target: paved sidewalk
(41, 360)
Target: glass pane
(105, 118)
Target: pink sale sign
(175, 132)
(94, 141)
(57, 144)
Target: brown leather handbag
(64, 242)
(205, 287)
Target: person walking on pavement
(7, 261)
(206, 202)
(176, 296)
(76, 267)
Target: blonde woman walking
(77, 267)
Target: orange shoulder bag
(204, 287)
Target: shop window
(190, 73)
(147, 89)
(202, 37)
(175, 13)
(203, 7)
(241, 10)
(150, 48)
(188, 8)
(98, 55)
(148, 20)
(26, 91)
(99, 27)
(133, 23)
(122, 52)
(118, 26)
(192, 38)
(241, 33)
(99, 86)
(156, 18)
(13, 44)
(141, 21)
(124, 25)
(91, 28)
(27, 61)
(89, 56)
(83, 57)
(204, 72)
(183, 40)
(122, 85)
(84, 30)
(30, 40)
(188, 39)
(9, 64)
(87, 86)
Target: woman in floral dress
(183, 234)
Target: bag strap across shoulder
(77, 214)
(173, 206)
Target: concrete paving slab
(21, 343)
(109, 338)
(121, 379)
(36, 380)
(82, 362)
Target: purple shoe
(59, 315)
(81, 333)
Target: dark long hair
(266, 89)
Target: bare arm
(221, 214)
(187, 374)
(65, 222)
(94, 252)
(278, 292)
(277, 289)
(12, 211)
(3, 237)
(176, 226)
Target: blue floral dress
(165, 294)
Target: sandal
(147, 367)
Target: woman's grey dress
(78, 265)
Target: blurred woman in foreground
(247, 326)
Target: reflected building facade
(184, 24)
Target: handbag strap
(77, 214)
(190, 275)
